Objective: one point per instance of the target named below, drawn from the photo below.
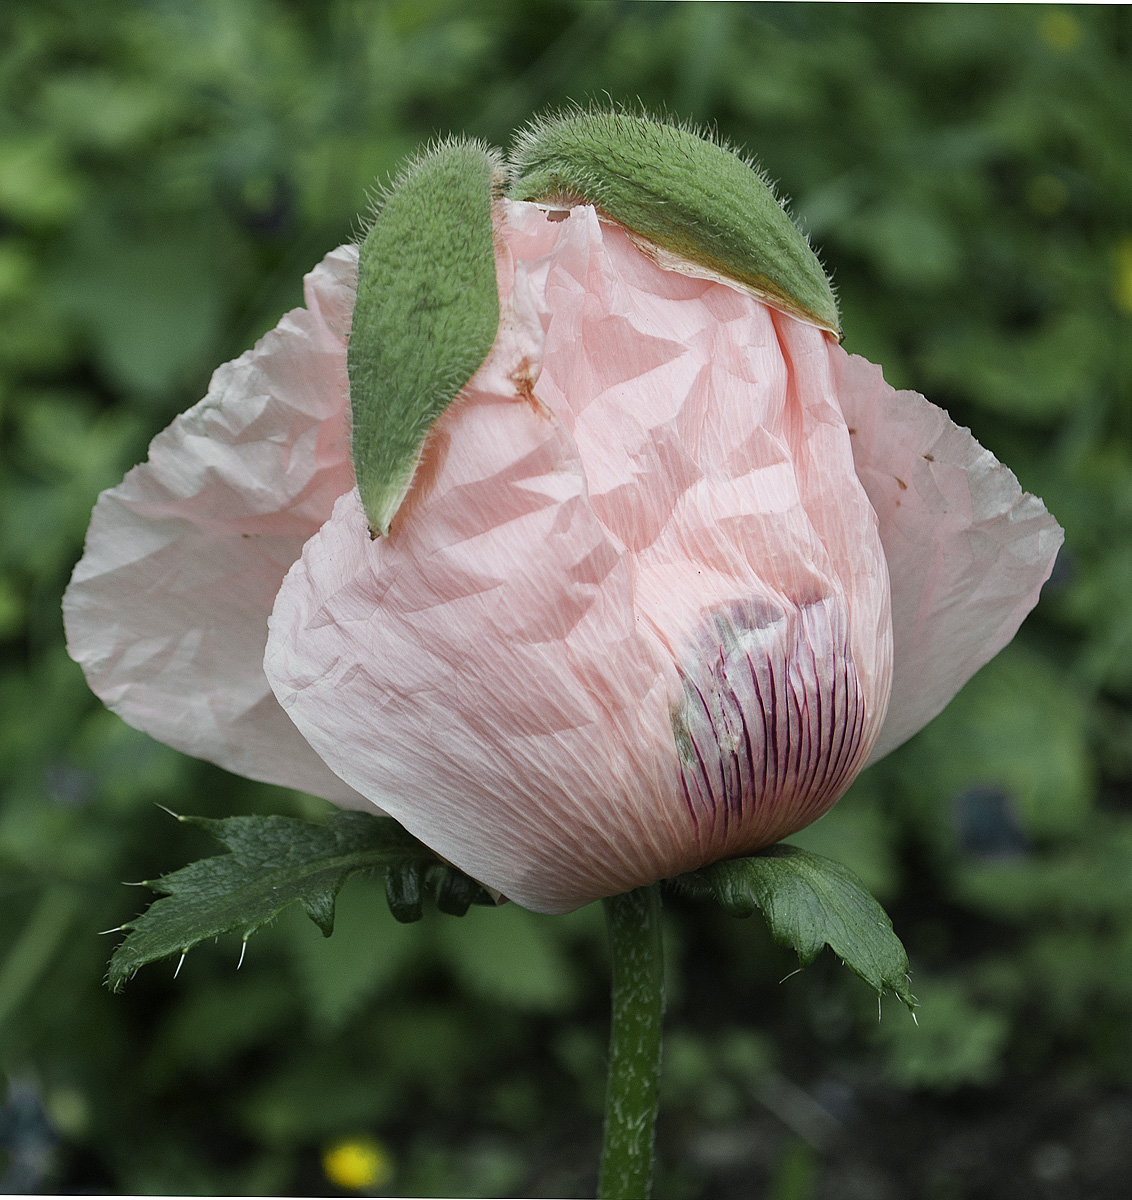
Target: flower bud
(659, 578)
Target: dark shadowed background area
(168, 171)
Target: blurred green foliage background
(168, 170)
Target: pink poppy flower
(674, 568)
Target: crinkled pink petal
(967, 549)
(634, 615)
(167, 610)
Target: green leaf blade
(809, 902)
(273, 862)
(426, 315)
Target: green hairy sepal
(427, 309)
(681, 193)
(426, 315)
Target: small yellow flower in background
(1060, 30)
(1122, 284)
(357, 1164)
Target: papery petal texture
(634, 616)
(167, 610)
(967, 549)
(673, 569)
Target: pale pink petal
(967, 549)
(614, 593)
(167, 609)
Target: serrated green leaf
(277, 861)
(426, 314)
(810, 901)
(681, 192)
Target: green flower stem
(636, 951)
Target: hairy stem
(637, 958)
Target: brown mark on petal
(770, 730)
(903, 485)
(852, 431)
(524, 380)
(929, 458)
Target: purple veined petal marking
(772, 720)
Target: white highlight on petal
(967, 549)
(167, 609)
